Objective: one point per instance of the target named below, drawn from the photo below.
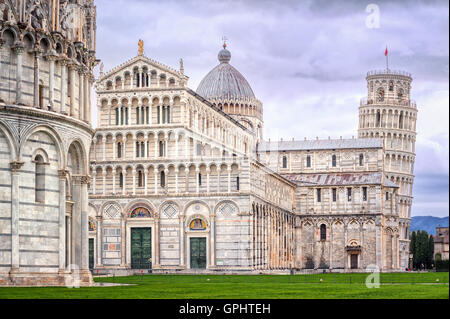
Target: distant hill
(428, 223)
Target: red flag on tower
(386, 55)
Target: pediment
(140, 63)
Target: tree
(412, 248)
(422, 248)
(430, 251)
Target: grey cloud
(305, 60)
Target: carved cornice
(16, 166)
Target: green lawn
(340, 286)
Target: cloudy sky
(306, 61)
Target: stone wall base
(46, 279)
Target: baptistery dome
(224, 81)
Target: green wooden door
(91, 253)
(198, 252)
(141, 248)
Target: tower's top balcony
(388, 72)
(389, 101)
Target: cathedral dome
(224, 81)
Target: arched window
(199, 179)
(364, 193)
(333, 160)
(161, 148)
(163, 179)
(142, 149)
(168, 114)
(117, 116)
(391, 86)
(284, 162)
(39, 181)
(323, 232)
(361, 159)
(137, 116)
(238, 186)
(308, 161)
(140, 179)
(334, 190)
(378, 118)
(400, 120)
(164, 114)
(121, 180)
(41, 96)
(119, 150)
(159, 114)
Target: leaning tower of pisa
(389, 113)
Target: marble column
(145, 181)
(84, 225)
(182, 235)
(133, 172)
(208, 171)
(62, 220)
(72, 73)
(114, 181)
(134, 147)
(81, 94)
(15, 214)
(18, 50)
(156, 263)
(99, 241)
(123, 241)
(114, 146)
(104, 139)
(156, 181)
(63, 63)
(86, 87)
(51, 94)
(36, 79)
(2, 42)
(197, 173)
(124, 184)
(104, 182)
(212, 240)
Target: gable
(145, 67)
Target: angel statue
(65, 14)
(35, 15)
(6, 13)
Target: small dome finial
(224, 39)
(224, 55)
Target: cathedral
(181, 181)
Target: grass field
(333, 286)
